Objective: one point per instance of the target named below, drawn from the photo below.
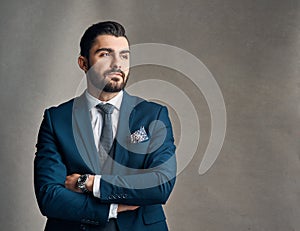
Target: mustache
(114, 70)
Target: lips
(111, 74)
(114, 76)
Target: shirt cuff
(113, 211)
(96, 186)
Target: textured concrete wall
(252, 48)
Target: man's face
(108, 63)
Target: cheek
(125, 65)
(101, 66)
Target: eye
(125, 56)
(104, 54)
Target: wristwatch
(81, 183)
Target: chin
(113, 88)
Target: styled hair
(101, 28)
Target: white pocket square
(139, 136)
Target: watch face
(82, 179)
(81, 183)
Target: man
(105, 160)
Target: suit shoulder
(145, 104)
(62, 107)
(151, 105)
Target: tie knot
(106, 108)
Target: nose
(116, 62)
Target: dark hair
(101, 28)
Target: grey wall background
(252, 47)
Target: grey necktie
(106, 138)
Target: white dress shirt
(97, 124)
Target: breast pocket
(139, 148)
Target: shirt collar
(93, 102)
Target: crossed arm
(71, 184)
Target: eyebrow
(104, 49)
(124, 51)
(110, 50)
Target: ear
(83, 63)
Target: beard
(107, 84)
(115, 86)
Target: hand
(71, 182)
(123, 208)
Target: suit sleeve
(54, 200)
(153, 184)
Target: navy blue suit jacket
(141, 174)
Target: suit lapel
(83, 134)
(127, 112)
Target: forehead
(110, 41)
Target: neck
(105, 96)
